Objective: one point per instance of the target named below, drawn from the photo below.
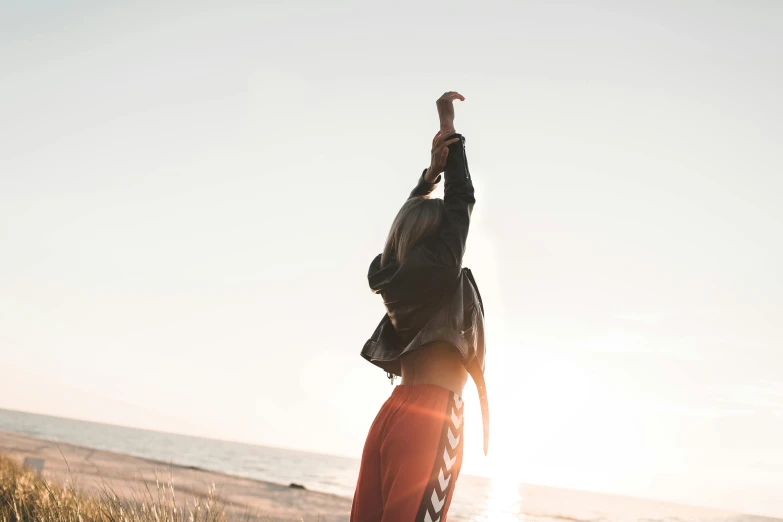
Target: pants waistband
(417, 390)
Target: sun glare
(503, 504)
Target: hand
(440, 151)
(445, 106)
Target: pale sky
(191, 196)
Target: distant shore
(91, 469)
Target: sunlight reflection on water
(503, 503)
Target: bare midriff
(436, 363)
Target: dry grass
(25, 496)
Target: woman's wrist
(430, 176)
(447, 129)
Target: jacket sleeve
(423, 188)
(458, 200)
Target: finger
(435, 139)
(443, 146)
(446, 134)
(441, 139)
(452, 95)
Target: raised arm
(458, 199)
(458, 194)
(424, 187)
(430, 178)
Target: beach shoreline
(93, 469)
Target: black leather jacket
(430, 297)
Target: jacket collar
(380, 277)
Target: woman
(433, 336)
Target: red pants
(412, 457)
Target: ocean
(476, 499)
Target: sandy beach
(90, 469)
(478, 499)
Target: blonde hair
(418, 217)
